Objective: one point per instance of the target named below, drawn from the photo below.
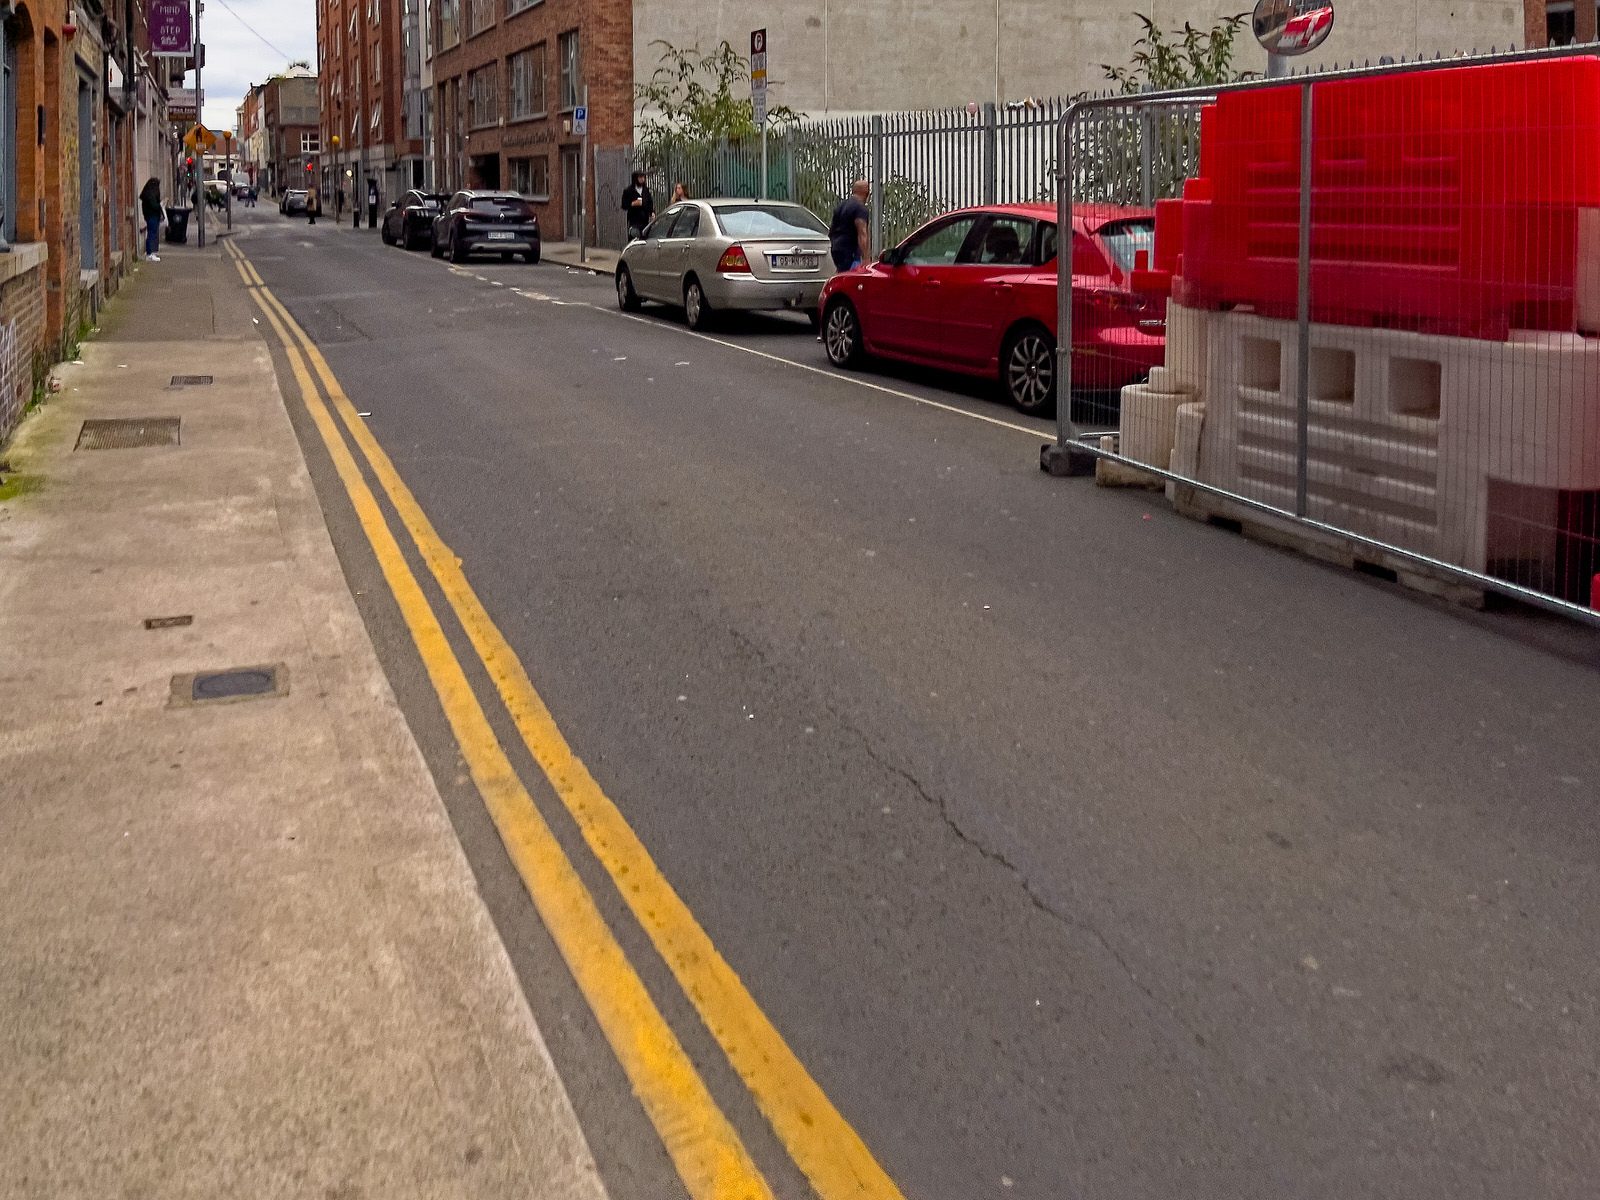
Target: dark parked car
(409, 221)
(294, 202)
(500, 222)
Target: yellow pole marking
(822, 1143)
(703, 1145)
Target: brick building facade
(365, 137)
(507, 75)
(75, 87)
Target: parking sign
(758, 72)
(580, 122)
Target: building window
(8, 135)
(449, 23)
(515, 6)
(483, 97)
(527, 84)
(311, 143)
(531, 177)
(480, 15)
(571, 70)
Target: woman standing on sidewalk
(313, 205)
(150, 209)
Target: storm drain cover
(128, 433)
(236, 683)
(191, 381)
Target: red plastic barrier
(1443, 201)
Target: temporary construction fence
(1381, 294)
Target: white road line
(835, 375)
(826, 373)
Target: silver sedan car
(706, 255)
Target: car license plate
(795, 262)
(502, 236)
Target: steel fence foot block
(1065, 461)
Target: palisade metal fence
(1365, 317)
(921, 163)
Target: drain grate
(191, 381)
(169, 622)
(236, 683)
(128, 433)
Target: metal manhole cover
(191, 381)
(236, 683)
(128, 433)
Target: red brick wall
(22, 304)
(606, 39)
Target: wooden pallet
(1323, 546)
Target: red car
(975, 291)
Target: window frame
(569, 90)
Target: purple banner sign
(171, 28)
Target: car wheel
(696, 310)
(1028, 371)
(388, 239)
(433, 246)
(627, 298)
(533, 257)
(841, 334)
(457, 254)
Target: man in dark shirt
(849, 235)
(639, 204)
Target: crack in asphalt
(1002, 860)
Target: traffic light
(310, 168)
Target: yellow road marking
(822, 1143)
(704, 1147)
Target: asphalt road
(1079, 850)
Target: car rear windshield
(768, 221)
(1126, 238)
(503, 206)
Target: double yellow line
(703, 1145)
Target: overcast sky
(236, 58)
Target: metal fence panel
(1368, 314)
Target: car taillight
(1118, 302)
(733, 261)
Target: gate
(1360, 309)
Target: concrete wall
(843, 56)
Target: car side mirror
(890, 257)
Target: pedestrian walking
(150, 210)
(639, 205)
(313, 205)
(338, 204)
(850, 234)
(680, 191)
(372, 204)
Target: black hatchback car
(409, 221)
(490, 222)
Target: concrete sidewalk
(241, 952)
(601, 262)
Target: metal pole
(764, 188)
(877, 186)
(200, 114)
(1064, 429)
(991, 156)
(1303, 359)
(1277, 66)
(583, 184)
(1147, 187)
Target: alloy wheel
(842, 334)
(693, 305)
(1031, 372)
